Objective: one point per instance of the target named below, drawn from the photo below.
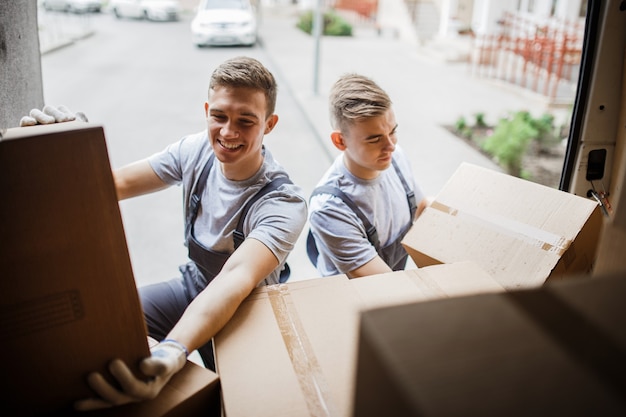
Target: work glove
(167, 358)
(50, 114)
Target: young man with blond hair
(368, 199)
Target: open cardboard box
(68, 298)
(557, 350)
(520, 232)
(290, 349)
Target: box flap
(428, 283)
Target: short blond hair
(354, 97)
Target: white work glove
(50, 115)
(167, 358)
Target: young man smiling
(221, 171)
(368, 199)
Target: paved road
(144, 96)
(146, 84)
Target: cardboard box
(68, 300)
(555, 351)
(192, 392)
(290, 349)
(520, 232)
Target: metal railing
(541, 56)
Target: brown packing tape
(305, 364)
(531, 235)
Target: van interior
(595, 162)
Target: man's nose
(390, 143)
(229, 130)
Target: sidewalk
(58, 29)
(427, 92)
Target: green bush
(509, 142)
(334, 25)
(513, 136)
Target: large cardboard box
(290, 349)
(520, 232)
(68, 300)
(558, 350)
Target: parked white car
(162, 10)
(224, 22)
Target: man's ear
(337, 138)
(270, 123)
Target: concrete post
(21, 85)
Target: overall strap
(238, 235)
(372, 234)
(370, 230)
(410, 194)
(196, 195)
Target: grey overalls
(164, 303)
(209, 263)
(393, 254)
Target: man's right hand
(167, 358)
(50, 114)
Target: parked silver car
(224, 22)
(76, 6)
(161, 10)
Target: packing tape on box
(531, 235)
(308, 370)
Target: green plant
(546, 132)
(460, 124)
(509, 142)
(462, 128)
(337, 26)
(480, 120)
(333, 24)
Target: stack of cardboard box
(472, 331)
(296, 349)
